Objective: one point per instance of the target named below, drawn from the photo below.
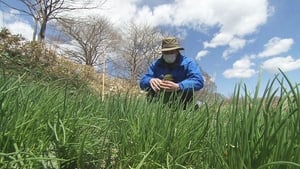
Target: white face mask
(170, 58)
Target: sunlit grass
(56, 126)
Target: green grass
(50, 125)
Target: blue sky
(233, 41)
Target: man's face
(170, 56)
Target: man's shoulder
(186, 60)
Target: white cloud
(241, 69)
(15, 24)
(241, 17)
(159, 16)
(194, 14)
(118, 11)
(201, 54)
(234, 45)
(284, 63)
(220, 39)
(236, 21)
(233, 18)
(276, 46)
(238, 18)
(21, 28)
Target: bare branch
(94, 37)
(139, 48)
(43, 11)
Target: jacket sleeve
(194, 80)
(145, 80)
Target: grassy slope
(50, 122)
(50, 125)
(74, 128)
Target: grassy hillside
(35, 62)
(49, 125)
(52, 116)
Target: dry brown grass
(68, 69)
(38, 60)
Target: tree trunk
(35, 29)
(42, 30)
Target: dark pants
(181, 98)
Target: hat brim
(169, 49)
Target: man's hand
(169, 86)
(155, 84)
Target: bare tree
(209, 92)
(42, 11)
(92, 38)
(141, 44)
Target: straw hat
(170, 43)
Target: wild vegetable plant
(50, 125)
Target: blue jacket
(185, 72)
